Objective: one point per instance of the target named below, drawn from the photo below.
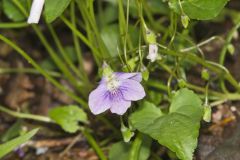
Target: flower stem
(200, 44)
(224, 50)
(24, 115)
(62, 51)
(13, 25)
(55, 57)
(27, 70)
(93, 143)
(135, 149)
(85, 132)
(77, 45)
(51, 52)
(43, 72)
(83, 38)
(221, 70)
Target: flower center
(112, 83)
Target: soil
(32, 93)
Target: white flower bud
(36, 11)
(153, 52)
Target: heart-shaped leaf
(177, 130)
(68, 117)
(199, 9)
(12, 11)
(54, 8)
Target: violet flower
(116, 91)
(36, 11)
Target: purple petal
(136, 76)
(120, 106)
(132, 90)
(99, 100)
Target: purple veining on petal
(119, 105)
(132, 90)
(137, 76)
(116, 93)
(99, 100)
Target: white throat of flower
(112, 83)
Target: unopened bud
(185, 20)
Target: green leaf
(12, 11)
(71, 53)
(155, 97)
(54, 8)
(13, 131)
(108, 15)
(145, 115)
(68, 117)
(187, 103)
(48, 64)
(198, 9)
(11, 145)
(179, 129)
(110, 38)
(158, 7)
(121, 150)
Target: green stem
(199, 45)
(208, 64)
(62, 51)
(123, 29)
(20, 7)
(135, 149)
(13, 25)
(126, 33)
(227, 42)
(92, 21)
(149, 15)
(43, 72)
(157, 84)
(230, 96)
(54, 55)
(94, 144)
(109, 124)
(173, 27)
(224, 51)
(27, 70)
(85, 132)
(222, 96)
(83, 38)
(77, 45)
(24, 115)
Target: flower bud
(231, 49)
(153, 52)
(207, 114)
(107, 71)
(205, 75)
(185, 20)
